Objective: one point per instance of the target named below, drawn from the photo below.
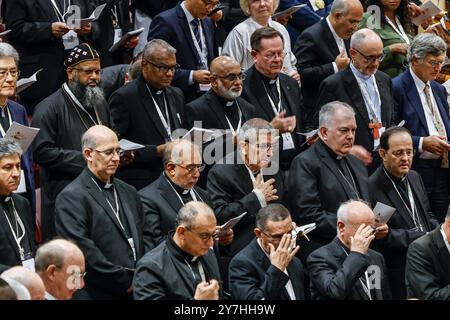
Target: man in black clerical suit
(367, 90)
(322, 50)
(267, 268)
(105, 219)
(146, 111)
(246, 180)
(395, 185)
(183, 267)
(427, 265)
(276, 96)
(176, 186)
(346, 269)
(325, 175)
(16, 226)
(221, 107)
(62, 118)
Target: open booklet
(124, 39)
(429, 9)
(230, 224)
(79, 23)
(302, 231)
(4, 33)
(24, 83)
(288, 11)
(127, 145)
(24, 135)
(201, 134)
(383, 213)
(310, 135)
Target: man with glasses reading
(62, 118)
(367, 90)
(183, 267)
(267, 268)
(190, 31)
(396, 185)
(147, 111)
(104, 217)
(422, 103)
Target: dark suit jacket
(172, 26)
(9, 251)
(306, 16)
(161, 206)
(342, 86)
(113, 78)
(427, 265)
(31, 34)
(409, 108)
(252, 277)
(255, 93)
(401, 226)
(83, 215)
(230, 188)
(136, 119)
(316, 189)
(334, 275)
(315, 50)
(19, 114)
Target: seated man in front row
(267, 268)
(346, 269)
(184, 265)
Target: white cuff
(420, 145)
(336, 70)
(261, 198)
(191, 77)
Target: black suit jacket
(334, 275)
(136, 119)
(343, 86)
(292, 102)
(252, 277)
(401, 226)
(84, 215)
(316, 189)
(230, 188)
(427, 265)
(161, 206)
(9, 251)
(315, 50)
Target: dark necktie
(273, 92)
(195, 28)
(4, 120)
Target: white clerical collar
(48, 296)
(420, 85)
(159, 92)
(447, 244)
(358, 73)
(194, 259)
(229, 103)
(188, 15)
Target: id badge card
(117, 35)
(131, 242)
(28, 261)
(205, 87)
(70, 40)
(22, 185)
(288, 142)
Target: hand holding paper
(24, 135)
(382, 213)
(229, 224)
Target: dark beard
(89, 97)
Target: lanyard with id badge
(70, 39)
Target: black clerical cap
(81, 53)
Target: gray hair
(426, 43)
(175, 150)
(9, 147)
(342, 212)
(52, 252)
(251, 129)
(341, 6)
(245, 6)
(328, 111)
(189, 212)
(8, 51)
(156, 45)
(272, 212)
(359, 37)
(89, 140)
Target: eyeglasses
(273, 55)
(204, 236)
(210, 4)
(191, 167)
(400, 153)
(109, 152)
(232, 76)
(435, 63)
(371, 59)
(88, 72)
(262, 146)
(78, 274)
(163, 68)
(13, 72)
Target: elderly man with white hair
(346, 269)
(29, 279)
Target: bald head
(179, 151)
(194, 211)
(355, 212)
(363, 38)
(55, 252)
(95, 134)
(29, 279)
(221, 64)
(226, 77)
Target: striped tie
(195, 27)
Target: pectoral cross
(375, 125)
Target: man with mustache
(16, 227)
(396, 185)
(63, 117)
